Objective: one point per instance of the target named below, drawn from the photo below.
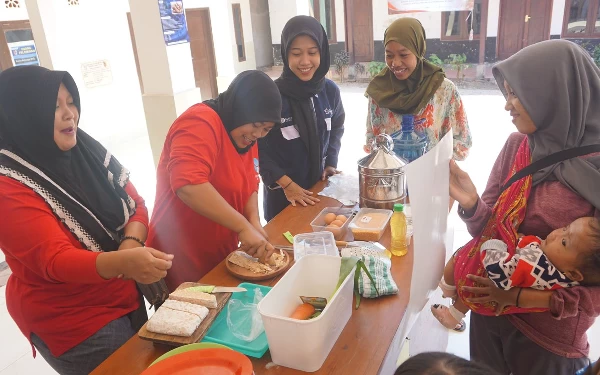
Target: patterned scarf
(507, 215)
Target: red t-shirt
(198, 150)
(54, 290)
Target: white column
(167, 73)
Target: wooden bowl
(245, 274)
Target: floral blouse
(444, 110)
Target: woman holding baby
(552, 90)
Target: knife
(216, 289)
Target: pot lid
(382, 157)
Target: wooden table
(362, 346)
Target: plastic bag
(244, 320)
(342, 187)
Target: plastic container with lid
(369, 224)
(319, 225)
(317, 243)
(305, 344)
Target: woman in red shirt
(207, 179)
(66, 205)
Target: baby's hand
(520, 235)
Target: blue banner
(172, 16)
(23, 53)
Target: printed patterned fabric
(379, 268)
(507, 215)
(444, 111)
(527, 268)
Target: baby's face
(564, 246)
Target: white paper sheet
(428, 187)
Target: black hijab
(83, 186)
(251, 97)
(300, 92)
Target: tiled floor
(490, 126)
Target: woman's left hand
(329, 171)
(490, 293)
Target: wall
(13, 14)
(558, 12)
(493, 18)
(250, 62)
(340, 21)
(261, 32)
(110, 110)
(432, 21)
(280, 11)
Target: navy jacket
(283, 152)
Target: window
(324, 11)
(457, 25)
(239, 32)
(582, 19)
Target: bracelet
(519, 295)
(134, 239)
(286, 186)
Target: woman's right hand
(144, 264)
(296, 194)
(255, 244)
(462, 188)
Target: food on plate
(303, 312)
(337, 223)
(341, 218)
(330, 217)
(195, 296)
(240, 258)
(177, 318)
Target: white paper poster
(400, 6)
(96, 73)
(428, 186)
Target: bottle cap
(398, 207)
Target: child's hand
(520, 235)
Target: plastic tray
(369, 224)
(317, 243)
(318, 224)
(219, 332)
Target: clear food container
(339, 232)
(369, 224)
(318, 243)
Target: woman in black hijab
(304, 148)
(67, 206)
(207, 179)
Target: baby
(568, 257)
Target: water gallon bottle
(398, 225)
(408, 144)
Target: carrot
(303, 312)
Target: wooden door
(522, 23)
(537, 22)
(510, 29)
(203, 52)
(359, 29)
